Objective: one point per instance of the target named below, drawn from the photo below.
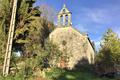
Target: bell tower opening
(64, 17)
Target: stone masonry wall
(73, 44)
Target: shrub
(53, 73)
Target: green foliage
(5, 14)
(53, 73)
(38, 32)
(45, 58)
(4, 23)
(31, 32)
(17, 76)
(111, 43)
(24, 17)
(2, 45)
(109, 55)
(54, 54)
(79, 75)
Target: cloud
(81, 28)
(100, 15)
(96, 20)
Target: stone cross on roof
(64, 17)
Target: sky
(93, 17)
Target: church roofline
(91, 43)
(84, 34)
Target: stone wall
(74, 45)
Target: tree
(31, 32)
(112, 42)
(31, 29)
(109, 54)
(47, 12)
(5, 8)
(2, 45)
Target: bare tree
(47, 12)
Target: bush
(53, 73)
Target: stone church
(75, 45)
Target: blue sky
(91, 16)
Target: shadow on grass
(78, 75)
(82, 71)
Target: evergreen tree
(5, 14)
(30, 30)
(111, 42)
(109, 55)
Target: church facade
(75, 45)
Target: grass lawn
(77, 75)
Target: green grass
(58, 74)
(77, 75)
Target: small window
(64, 42)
